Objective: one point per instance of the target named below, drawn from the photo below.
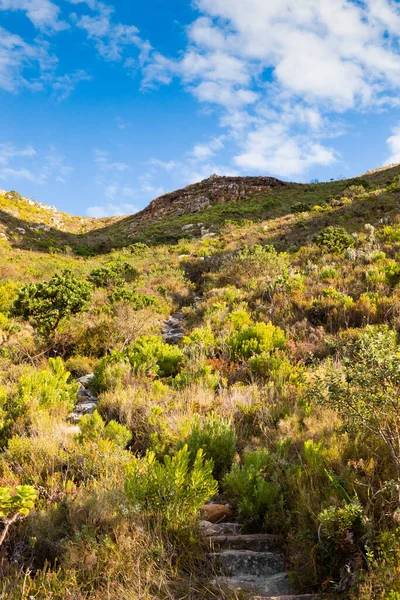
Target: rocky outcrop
(204, 194)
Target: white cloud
(112, 40)
(205, 151)
(17, 56)
(44, 14)
(103, 160)
(272, 149)
(17, 164)
(111, 210)
(394, 146)
(168, 166)
(64, 85)
(280, 73)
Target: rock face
(199, 196)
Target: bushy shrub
(201, 339)
(94, 428)
(200, 374)
(150, 356)
(79, 365)
(299, 207)
(147, 356)
(334, 240)
(138, 301)
(254, 490)
(138, 249)
(48, 302)
(255, 339)
(217, 438)
(113, 274)
(49, 389)
(171, 490)
(112, 372)
(365, 388)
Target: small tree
(14, 507)
(366, 389)
(334, 240)
(48, 302)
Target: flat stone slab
(85, 379)
(277, 585)
(258, 542)
(209, 529)
(249, 563)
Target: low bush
(217, 438)
(334, 240)
(172, 490)
(254, 490)
(255, 339)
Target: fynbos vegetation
(249, 350)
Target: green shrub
(252, 487)
(365, 390)
(79, 365)
(198, 373)
(138, 249)
(216, 438)
(49, 389)
(171, 490)
(112, 274)
(93, 428)
(334, 240)
(299, 207)
(48, 302)
(138, 301)
(148, 355)
(255, 339)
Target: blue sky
(106, 105)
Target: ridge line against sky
(108, 105)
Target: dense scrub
(283, 396)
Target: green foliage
(148, 355)
(138, 301)
(48, 390)
(255, 339)
(48, 302)
(138, 249)
(367, 388)
(21, 502)
(171, 490)
(217, 438)
(113, 274)
(334, 240)
(299, 207)
(94, 429)
(255, 491)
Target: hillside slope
(201, 210)
(246, 353)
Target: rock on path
(86, 401)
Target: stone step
(258, 542)
(209, 529)
(277, 585)
(249, 563)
